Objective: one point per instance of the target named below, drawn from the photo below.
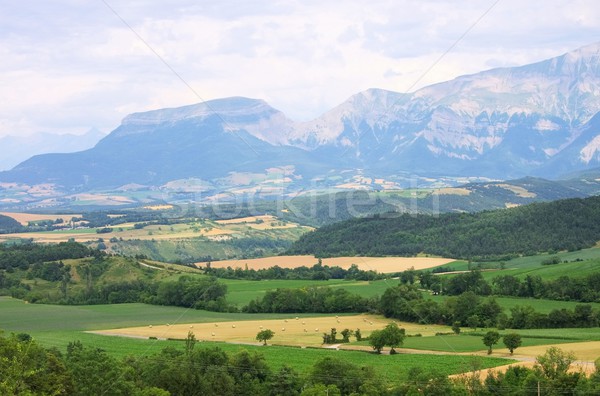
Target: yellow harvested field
(250, 219)
(143, 234)
(158, 207)
(379, 264)
(49, 237)
(352, 186)
(265, 222)
(25, 218)
(586, 367)
(452, 191)
(518, 190)
(290, 331)
(584, 351)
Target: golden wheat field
(25, 218)
(379, 264)
(290, 331)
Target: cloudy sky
(70, 65)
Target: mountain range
(541, 119)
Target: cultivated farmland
(379, 264)
(293, 330)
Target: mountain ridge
(502, 123)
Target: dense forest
(540, 227)
(27, 368)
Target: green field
(390, 367)
(538, 304)
(472, 343)
(240, 292)
(56, 326)
(532, 265)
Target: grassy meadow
(56, 326)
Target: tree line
(316, 272)
(405, 302)
(27, 368)
(584, 288)
(539, 227)
(311, 300)
(198, 293)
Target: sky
(71, 65)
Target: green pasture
(56, 326)
(390, 367)
(17, 316)
(473, 343)
(539, 305)
(240, 292)
(532, 265)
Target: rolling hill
(560, 225)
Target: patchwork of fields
(140, 329)
(56, 326)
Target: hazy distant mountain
(16, 149)
(539, 119)
(206, 141)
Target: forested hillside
(540, 227)
(9, 225)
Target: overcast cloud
(69, 65)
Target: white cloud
(69, 65)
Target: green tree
(29, 369)
(286, 382)
(346, 333)
(190, 342)
(320, 390)
(490, 339)
(358, 335)
(265, 335)
(346, 376)
(456, 327)
(377, 340)
(555, 362)
(473, 321)
(394, 336)
(512, 341)
(391, 336)
(95, 372)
